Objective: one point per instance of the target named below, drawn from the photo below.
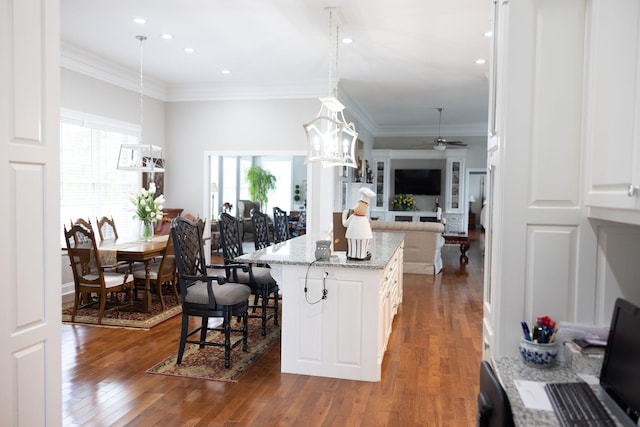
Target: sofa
(423, 244)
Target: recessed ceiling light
(226, 71)
(347, 40)
(488, 34)
(167, 36)
(189, 50)
(139, 20)
(481, 61)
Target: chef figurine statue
(358, 227)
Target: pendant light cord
(142, 39)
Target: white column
(320, 195)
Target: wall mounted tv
(421, 182)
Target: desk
(137, 251)
(461, 239)
(511, 368)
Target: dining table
(131, 251)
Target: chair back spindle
(260, 229)
(280, 225)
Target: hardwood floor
(430, 373)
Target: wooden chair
(86, 223)
(106, 228)
(88, 274)
(280, 225)
(199, 221)
(203, 298)
(163, 226)
(259, 279)
(160, 273)
(494, 409)
(260, 229)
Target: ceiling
(408, 57)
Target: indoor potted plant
(261, 181)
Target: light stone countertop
(301, 251)
(510, 368)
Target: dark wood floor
(429, 374)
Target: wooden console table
(461, 239)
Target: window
(90, 184)
(281, 196)
(229, 181)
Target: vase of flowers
(148, 209)
(403, 202)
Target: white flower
(146, 207)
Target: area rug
(123, 318)
(208, 363)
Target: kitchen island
(337, 315)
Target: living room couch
(423, 244)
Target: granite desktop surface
(510, 368)
(301, 251)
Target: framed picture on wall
(158, 179)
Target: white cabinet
(455, 185)
(390, 298)
(344, 335)
(412, 216)
(612, 114)
(455, 223)
(455, 205)
(380, 184)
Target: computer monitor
(620, 374)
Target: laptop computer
(620, 374)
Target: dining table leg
(146, 298)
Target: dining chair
(203, 298)
(107, 228)
(263, 286)
(280, 225)
(260, 223)
(199, 221)
(86, 223)
(88, 274)
(160, 274)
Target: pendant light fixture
(330, 139)
(141, 157)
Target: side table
(461, 239)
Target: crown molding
(88, 63)
(77, 59)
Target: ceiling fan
(441, 144)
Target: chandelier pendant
(330, 139)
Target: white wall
(82, 93)
(251, 127)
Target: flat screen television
(620, 374)
(422, 182)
